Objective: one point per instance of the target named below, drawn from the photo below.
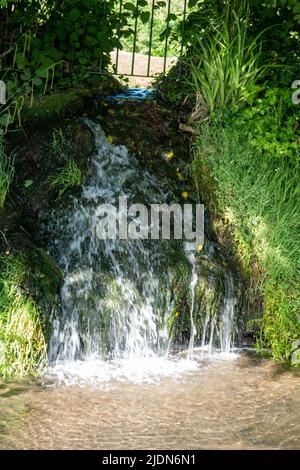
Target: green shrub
(279, 19)
(271, 122)
(22, 343)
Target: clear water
(135, 94)
(246, 403)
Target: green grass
(259, 198)
(6, 172)
(22, 343)
(69, 175)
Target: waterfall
(110, 286)
(116, 297)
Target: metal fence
(131, 52)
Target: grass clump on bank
(22, 343)
(259, 198)
(69, 175)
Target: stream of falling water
(112, 323)
(193, 284)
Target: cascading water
(194, 279)
(116, 299)
(227, 321)
(109, 281)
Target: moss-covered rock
(66, 104)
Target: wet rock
(296, 352)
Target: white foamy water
(107, 374)
(117, 298)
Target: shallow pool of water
(246, 403)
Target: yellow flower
(111, 111)
(185, 194)
(179, 175)
(110, 139)
(176, 314)
(200, 247)
(170, 154)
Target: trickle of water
(227, 319)
(218, 318)
(193, 285)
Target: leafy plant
(271, 122)
(6, 172)
(278, 19)
(224, 62)
(281, 18)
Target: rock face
(152, 134)
(296, 352)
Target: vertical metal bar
(134, 40)
(150, 39)
(101, 53)
(167, 36)
(182, 27)
(118, 36)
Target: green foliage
(6, 172)
(73, 33)
(212, 30)
(223, 57)
(205, 15)
(60, 44)
(224, 62)
(22, 343)
(282, 18)
(69, 176)
(271, 122)
(279, 19)
(259, 197)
